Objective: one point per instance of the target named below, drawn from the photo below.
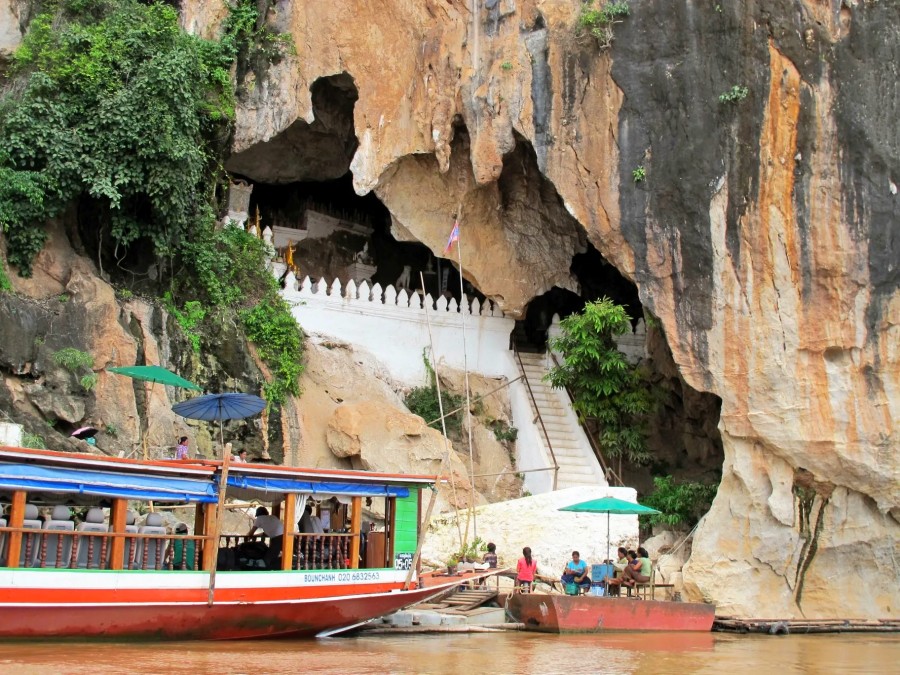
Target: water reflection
(476, 653)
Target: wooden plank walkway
(729, 624)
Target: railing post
(538, 413)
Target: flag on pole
(454, 237)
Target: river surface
(488, 653)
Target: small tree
(681, 505)
(604, 386)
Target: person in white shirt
(241, 457)
(274, 530)
(310, 524)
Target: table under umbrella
(610, 505)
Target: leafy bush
(598, 21)
(680, 505)
(638, 174)
(503, 431)
(604, 386)
(34, 441)
(423, 401)
(279, 340)
(734, 95)
(73, 359)
(88, 382)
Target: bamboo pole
(437, 384)
(220, 513)
(470, 513)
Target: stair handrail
(592, 440)
(538, 412)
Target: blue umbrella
(211, 407)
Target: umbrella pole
(220, 513)
(607, 536)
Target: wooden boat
(111, 577)
(556, 613)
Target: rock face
(377, 437)
(763, 235)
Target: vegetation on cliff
(605, 387)
(112, 112)
(680, 504)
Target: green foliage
(88, 382)
(73, 359)
(506, 65)
(598, 21)
(34, 441)
(63, 298)
(680, 505)
(229, 274)
(5, 283)
(272, 327)
(423, 401)
(111, 429)
(638, 174)
(604, 386)
(246, 38)
(503, 431)
(734, 95)
(189, 318)
(471, 552)
(114, 104)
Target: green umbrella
(609, 505)
(153, 374)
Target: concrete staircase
(577, 464)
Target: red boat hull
(109, 605)
(590, 614)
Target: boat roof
(65, 473)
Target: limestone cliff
(763, 235)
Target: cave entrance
(682, 432)
(596, 279)
(299, 184)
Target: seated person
(638, 571)
(274, 530)
(309, 523)
(576, 572)
(491, 556)
(619, 567)
(183, 551)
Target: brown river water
(490, 653)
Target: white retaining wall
(392, 326)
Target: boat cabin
(75, 511)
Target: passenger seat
(152, 550)
(31, 543)
(57, 548)
(91, 548)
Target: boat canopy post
(210, 552)
(290, 522)
(16, 520)
(355, 530)
(117, 518)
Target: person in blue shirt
(576, 572)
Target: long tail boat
(115, 574)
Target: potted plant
(452, 562)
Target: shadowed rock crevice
(319, 150)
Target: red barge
(116, 575)
(554, 613)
